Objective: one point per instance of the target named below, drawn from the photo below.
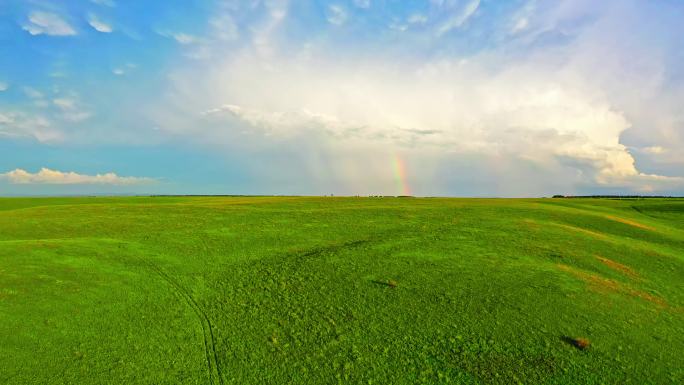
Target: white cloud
(65, 103)
(527, 111)
(48, 176)
(520, 25)
(459, 17)
(98, 24)
(49, 24)
(14, 124)
(47, 120)
(124, 69)
(264, 32)
(392, 105)
(184, 38)
(398, 26)
(287, 122)
(521, 18)
(336, 14)
(6, 119)
(222, 29)
(4, 86)
(654, 150)
(562, 104)
(260, 30)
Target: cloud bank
(48, 176)
(547, 94)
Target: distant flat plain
(304, 290)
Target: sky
(517, 98)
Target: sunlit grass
(349, 290)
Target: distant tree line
(616, 196)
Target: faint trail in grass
(332, 249)
(637, 209)
(299, 256)
(207, 332)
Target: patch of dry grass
(603, 284)
(630, 222)
(583, 231)
(618, 267)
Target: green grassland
(264, 290)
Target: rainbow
(400, 175)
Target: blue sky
(443, 97)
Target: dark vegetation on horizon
(619, 196)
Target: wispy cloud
(17, 124)
(223, 27)
(521, 19)
(417, 18)
(362, 3)
(124, 69)
(336, 14)
(32, 93)
(40, 23)
(48, 176)
(4, 86)
(180, 37)
(71, 109)
(98, 24)
(459, 17)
